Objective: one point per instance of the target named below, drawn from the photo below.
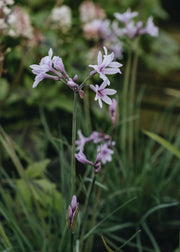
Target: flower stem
(125, 104)
(73, 166)
(132, 100)
(72, 242)
(95, 210)
(85, 217)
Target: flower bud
(72, 214)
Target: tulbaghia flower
(113, 111)
(106, 66)
(90, 11)
(72, 214)
(19, 23)
(150, 28)
(46, 65)
(62, 17)
(97, 164)
(98, 137)
(132, 30)
(82, 140)
(106, 153)
(102, 93)
(58, 64)
(82, 158)
(126, 16)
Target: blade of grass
(5, 238)
(105, 244)
(163, 142)
(107, 217)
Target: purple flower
(98, 137)
(81, 141)
(126, 16)
(106, 66)
(45, 66)
(131, 30)
(72, 213)
(58, 64)
(102, 93)
(97, 164)
(106, 153)
(82, 158)
(113, 111)
(150, 28)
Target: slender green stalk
(95, 209)
(87, 111)
(73, 166)
(85, 217)
(132, 99)
(125, 104)
(72, 242)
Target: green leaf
(3, 88)
(37, 169)
(105, 244)
(163, 142)
(5, 239)
(24, 192)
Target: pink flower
(45, 66)
(106, 66)
(97, 164)
(102, 93)
(150, 28)
(113, 111)
(98, 137)
(72, 213)
(132, 30)
(90, 11)
(81, 141)
(126, 16)
(82, 158)
(106, 153)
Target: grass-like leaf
(163, 142)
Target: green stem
(72, 242)
(85, 217)
(73, 166)
(95, 209)
(125, 104)
(132, 100)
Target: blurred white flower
(61, 17)
(19, 23)
(90, 11)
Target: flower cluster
(104, 67)
(96, 27)
(90, 11)
(111, 34)
(61, 17)
(14, 21)
(53, 68)
(132, 29)
(104, 149)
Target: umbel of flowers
(52, 67)
(112, 34)
(104, 149)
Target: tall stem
(125, 104)
(72, 242)
(85, 217)
(132, 100)
(95, 209)
(73, 166)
